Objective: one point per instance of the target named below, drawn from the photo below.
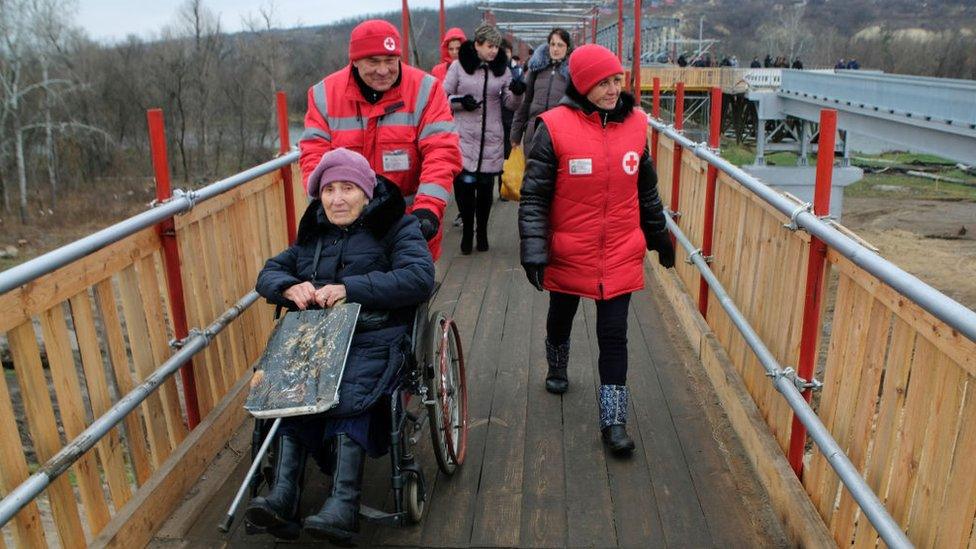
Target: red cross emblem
(389, 43)
(631, 162)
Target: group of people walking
(383, 148)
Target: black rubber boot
(278, 511)
(613, 419)
(338, 520)
(557, 380)
(467, 235)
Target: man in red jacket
(396, 116)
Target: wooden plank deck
(536, 474)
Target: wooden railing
(899, 393)
(103, 323)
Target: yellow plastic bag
(512, 173)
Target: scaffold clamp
(190, 196)
(805, 207)
(798, 382)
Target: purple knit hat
(342, 165)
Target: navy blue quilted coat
(384, 262)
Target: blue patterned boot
(613, 419)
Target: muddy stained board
(303, 362)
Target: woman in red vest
(589, 209)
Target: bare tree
(785, 32)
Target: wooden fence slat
(937, 450)
(134, 430)
(43, 428)
(142, 359)
(159, 330)
(19, 305)
(205, 309)
(26, 525)
(246, 278)
(212, 266)
(110, 447)
(918, 407)
(230, 291)
(959, 505)
(202, 370)
(71, 408)
(225, 200)
(879, 471)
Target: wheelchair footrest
(379, 517)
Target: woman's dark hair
(563, 35)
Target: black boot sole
(337, 536)
(557, 386)
(259, 513)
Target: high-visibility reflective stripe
(435, 128)
(339, 123)
(398, 119)
(318, 94)
(435, 190)
(423, 95)
(312, 133)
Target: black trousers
(611, 331)
(474, 201)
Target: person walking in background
(548, 73)
(755, 63)
(508, 115)
(479, 84)
(797, 64)
(450, 46)
(396, 116)
(589, 210)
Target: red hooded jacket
(408, 136)
(440, 70)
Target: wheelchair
(433, 374)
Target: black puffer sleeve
(538, 188)
(651, 209)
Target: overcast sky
(113, 20)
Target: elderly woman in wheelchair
(354, 242)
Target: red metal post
(635, 66)
(443, 22)
(171, 259)
(714, 141)
(810, 331)
(679, 115)
(405, 33)
(284, 146)
(596, 21)
(620, 30)
(656, 113)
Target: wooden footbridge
(101, 445)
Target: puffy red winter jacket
(408, 136)
(596, 246)
(440, 70)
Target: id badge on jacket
(396, 161)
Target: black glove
(469, 103)
(517, 87)
(535, 273)
(429, 224)
(660, 241)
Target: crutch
(229, 519)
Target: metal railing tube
(935, 302)
(60, 462)
(886, 526)
(35, 268)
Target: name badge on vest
(580, 166)
(396, 161)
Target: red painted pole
(810, 331)
(596, 21)
(679, 115)
(405, 33)
(443, 22)
(620, 30)
(714, 141)
(635, 67)
(284, 146)
(171, 259)
(656, 113)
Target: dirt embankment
(934, 240)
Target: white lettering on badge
(396, 161)
(580, 166)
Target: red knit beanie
(590, 64)
(373, 37)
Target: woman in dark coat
(548, 70)
(354, 242)
(588, 212)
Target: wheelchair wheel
(447, 388)
(414, 499)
